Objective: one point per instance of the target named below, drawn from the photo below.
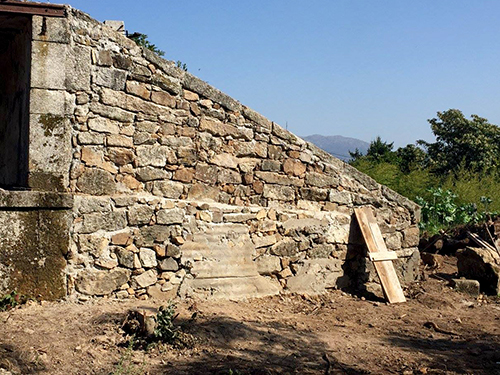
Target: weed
(165, 330)
(181, 65)
(125, 365)
(11, 300)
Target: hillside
(338, 145)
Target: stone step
(230, 287)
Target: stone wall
(180, 189)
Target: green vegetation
(125, 365)
(142, 40)
(165, 330)
(456, 179)
(11, 300)
(181, 65)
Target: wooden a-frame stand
(379, 255)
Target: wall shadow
(255, 348)
(19, 361)
(454, 354)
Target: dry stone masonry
(176, 189)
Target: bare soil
(438, 331)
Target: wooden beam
(380, 256)
(39, 9)
(375, 244)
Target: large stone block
(78, 68)
(173, 216)
(284, 193)
(95, 282)
(48, 70)
(482, 265)
(33, 245)
(50, 145)
(50, 29)
(109, 221)
(96, 182)
(315, 276)
(108, 77)
(168, 189)
(53, 102)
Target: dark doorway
(15, 66)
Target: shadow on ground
(19, 361)
(254, 348)
(480, 355)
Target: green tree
(472, 143)
(378, 151)
(410, 158)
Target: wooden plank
(375, 243)
(381, 256)
(480, 241)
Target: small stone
(268, 264)
(178, 240)
(140, 214)
(294, 167)
(261, 215)
(271, 165)
(173, 251)
(168, 264)
(107, 263)
(207, 103)
(205, 216)
(163, 98)
(96, 182)
(126, 258)
(151, 173)
(103, 125)
(119, 141)
(146, 279)
(147, 257)
(160, 250)
(173, 216)
(191, 96)
(285, 273)
(139, 89)
(467, 286)
(184, 174)
(120, 156)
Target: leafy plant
(181, 65)
(11, 300)
(142, 40)
(442, 211)
(165, 330)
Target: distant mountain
(337, 145)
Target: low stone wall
(144, 245)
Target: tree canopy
(472, 143)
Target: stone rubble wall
(180, 189)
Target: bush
(443, 211)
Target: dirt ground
(438, 331)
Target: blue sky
(357, 68)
